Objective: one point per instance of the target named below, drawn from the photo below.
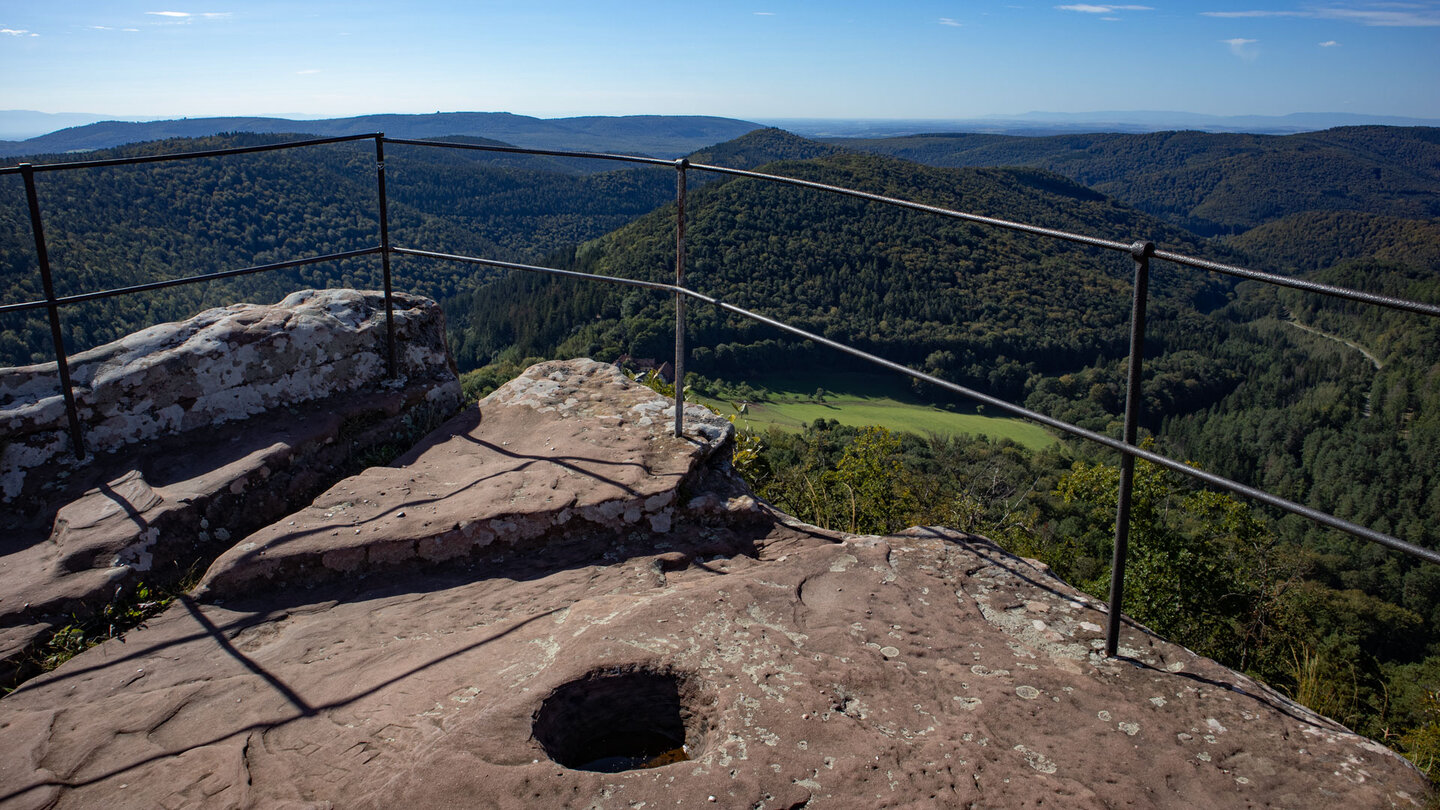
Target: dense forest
(111, 227)
(972, 303)
(1333, 405)
(1216, 183)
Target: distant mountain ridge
(665, 136)
(17, 125)
(1057, 123)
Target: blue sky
(756, 59)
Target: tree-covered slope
(113, 227)
(1216, 182)
(755, 149)
(971, 302)
(1315, 240)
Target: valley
(792, 400)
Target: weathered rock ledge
(565, 449)
(567, 577)
(200, 432)
(222, 365)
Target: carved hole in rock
(621, 719)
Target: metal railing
(1140, 252)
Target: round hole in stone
(622, 718)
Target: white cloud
(189, 17)
(1243, 48)
(1257, 13)
(1330, 44)
(1418, 17)
(950, 22)
(309, 72)
(1086, 8)
(18, 32)
(764, 14)
(1390, 15)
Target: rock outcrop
(556, 603)
(220, 366)
(200, 432)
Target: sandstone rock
(81, 533)
(754, 661)
(221, 365)
(564, 449)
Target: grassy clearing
(869, 399)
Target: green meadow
(860, 399)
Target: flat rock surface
(564, 447)
(799, 668)
(156, 508)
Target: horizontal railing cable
(1301, 284)
(914, 206)
(949, 213)
(1018, 410)
(520, 150)
(1098, 438)
(171, 156)
(679, 290)
(628, 282)
(1109, 244)
(176, 282)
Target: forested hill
(969, 302)
(118, 226)
(755, 149)
(1315, 240)
(667, 136)
(1214, 183)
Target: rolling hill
(1215, 183)
(976, 304)
(664, 136)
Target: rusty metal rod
(1141, 253)
(52, 306)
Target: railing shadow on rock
(1141, 253)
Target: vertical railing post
(62, 364)
(385, 254)
(1141, 253)
(680, 166)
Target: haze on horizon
(787, 59)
